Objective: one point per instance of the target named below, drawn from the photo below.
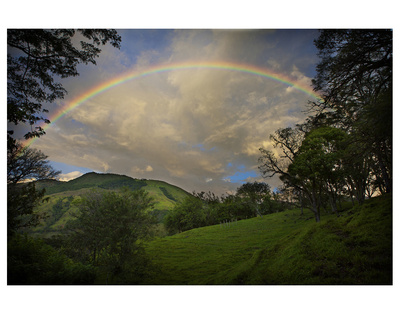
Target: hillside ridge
(60, 205)
(101, 180)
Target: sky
(197, 128)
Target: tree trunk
(315, 207)
(317, 217)
(360, 192)
(301, 204)
(385, 177)
(334, 207)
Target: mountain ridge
(60, 205)
(102, 180)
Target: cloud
(70, 176)
(138, 170)
(182, 126)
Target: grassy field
(282, 248)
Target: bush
(31, 261)
(187, 214)
(109, 229)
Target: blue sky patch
(64, 168)
(240, 177)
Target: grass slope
(282, 248)
(164, 194)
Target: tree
(35, 57)
(24, 163)
(187, 214)
(286, 143)
(355, 79)
(256, 191)
(257, 195)
(30, 261)
(318, 166)
(309, 163)
(355, 64)
(211, 204)
(109, 227)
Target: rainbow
(244, 68)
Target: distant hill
(91, 180)
(61, 195)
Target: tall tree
(35, 57)
(24, 163)
(355, 79)
(286, 144)
(318, 168)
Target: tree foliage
(355, 78)
(35, 57)
(24, 163)
(317, 167)
(109, 227)
(32, 262)
(256, 195)
(355, 67)
(186, 214)
(205, 208)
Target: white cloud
(149, 169)
(138, 170)
(70, 176)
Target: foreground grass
(282, 248)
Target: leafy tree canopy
(355, 63)
(356, 80)
(109, 226)
(35, 57)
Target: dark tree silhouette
(35, 57)
(355, 79)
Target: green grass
(164, 194)
(282, 248)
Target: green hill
(91, 180)
(282, 248)
(60, 205)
